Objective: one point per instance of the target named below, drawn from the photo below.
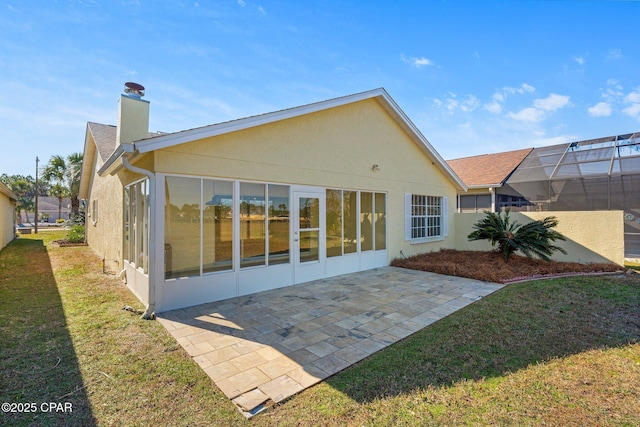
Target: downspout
(150, 312)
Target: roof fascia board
(7, 192)
(164, 141)
(88, 160)
(481, 186)
(419, 138)
(113, 163)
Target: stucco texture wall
(592, 236)
(104, 233)
(334, 148)
(7, 225)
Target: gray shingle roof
(104, 137)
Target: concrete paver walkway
(273, 344)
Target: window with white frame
(94, 211)
(136, 224)
(425, 218)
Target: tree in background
(63, 175)
(23, 187)
(74, 172)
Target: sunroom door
(308, 235)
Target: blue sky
(474, 76)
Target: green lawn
(554, 352)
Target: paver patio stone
(280, 388)
(249, 379)
(249, 400)
(274, 344)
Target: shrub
(59, 221)
(533, 238)
(76, 234)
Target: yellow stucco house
(7, 215)
(234, 208)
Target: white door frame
(304, 270)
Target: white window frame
(420, 221)
(94, 211)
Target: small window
(425, 218)
(94, 211)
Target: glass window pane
(140, 208)
(350, 218)
(252, 224)
(182, 227)
(126, 226)
(132, 221)
(278, 224)
(309, 245)
(467, 204)
(366, 225)
(334, 223)
(309, 212)
(380, 221)
(144, 249)
(483, 202)
(217, 225)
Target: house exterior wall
(334, 148)
(104, 231)
(7, 220)
(592, 237)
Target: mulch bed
(63, 243)
(492, 267)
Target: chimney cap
(134, 89)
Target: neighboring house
(485, 176)
(48, 209)
(282, 198)
(7, 215)
(600, 174)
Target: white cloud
(493, 107)
(580, 60)
(261, 10)
(529, 114)
(241, 3)
(614, 54)
(633, 97)
(469, 104)
(451, 103)
(524, 88)
(601, 109)
(632, 111)
(552, 102)
(417, 62)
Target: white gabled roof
(380, 94)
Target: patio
(274, 344)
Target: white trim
(168, 140)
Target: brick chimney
(133, 115)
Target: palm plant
(533, 238)
(74, 171)
(64, 175)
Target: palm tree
(24, 190)
(533, 238)
(64, 175)
(74, 167)
(55, 172)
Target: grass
(491, 266)
(555, 352)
